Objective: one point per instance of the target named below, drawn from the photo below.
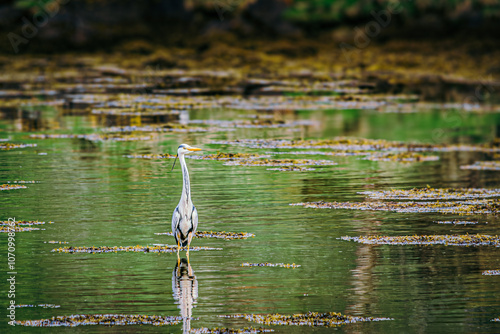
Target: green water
(96, 196)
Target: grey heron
(185, 216)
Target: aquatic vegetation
(10, 146)
(134, 112)
(329, 319)
(246, 330)
(24, 222)
(151, 156)
(431, 193)
(6, 229)
(447, 240)
(491, 272)
(101, 319)
(457, 222)
(164, 128)
(217, 235)
(267, 264)
(39, 305)
(11, 187)
(483, 165)
(292, 169)
(24, 182)
(358, 144)
(458, 207)
(92, 137)
(401, 157)
(141, 249)
(229, 156)
(280, 163)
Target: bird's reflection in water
(185, 291)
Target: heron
(185, 216)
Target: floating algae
(11, 186)
(358, 144)
(491, 272)
(115, 249)
(217, 235)
(10, 146)
(166, 128)
(101, 319)
(457, 222)
(20, 226)
(228, 156)
(92, 137)
(267, 264)
(246, 330)
(330, 319)
(401, 157)
(447, 240)
(292, 169)
(483, 165)
(151, 156)
(24, 182)
(457, 207)
(217, 156)
(7, 229)
(431, 193)
(24, 222)
(280, 163)
(39, 305)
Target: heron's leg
(190, 236)
(178, 249)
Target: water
(96, 196)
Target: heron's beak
(174, 162)
(194, 149)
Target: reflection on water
(185, 291)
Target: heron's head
(186, 149)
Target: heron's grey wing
(176, 218)
(195, 220)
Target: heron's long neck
(186, 186)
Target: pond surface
(97, 194)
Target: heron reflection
(185, 291)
